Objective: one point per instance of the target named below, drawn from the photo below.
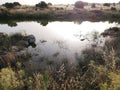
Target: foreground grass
(96, 71)
(92, 76)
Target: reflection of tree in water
(78, 35)
(43, 22)
(43, 41)
(61, 44)
(9, 22)
(96, 53)
(12, 24)
(83, 36)
(56, 54)
(94, 37)
(78, 22)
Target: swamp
(60, 47)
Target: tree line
(42, 4)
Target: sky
(33, 2)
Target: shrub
(93, 6)
(38, 81)
(106, 4)
(9, 80)
(16, 4)
(80, 4)
(42, 4)
(8, 5)
(114, 4)
(96, 77)
(50, 4)
(113, 9)
(11, 5)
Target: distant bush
(106, 4)
(8, 5)
(93, 6)
(114, 4)
(11, 5)
(50, 4)
(42, 4)
(80, 4)
(113, 9)
(16, 4)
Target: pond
(60, 40)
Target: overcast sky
(32, 2)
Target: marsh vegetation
(80, 10)
(59, 47)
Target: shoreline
(95, 15)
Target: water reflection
(61, 44)
(60, 40)
(12, 24)
(43, 22)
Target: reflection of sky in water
(60, 39)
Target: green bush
(9, 80)
(106, 4)
(113, 9)
(80, 4)
(42, 4)
(11, 5)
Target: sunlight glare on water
(65, 38)
(67, 30)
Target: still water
(60, 40)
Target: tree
(80, 4)
(42, 4)
(11, 5)
(17, 4)
(106, 4)
(113, 9)
(93, 5)
(114, 4)
(8, 5)
(50, 4)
